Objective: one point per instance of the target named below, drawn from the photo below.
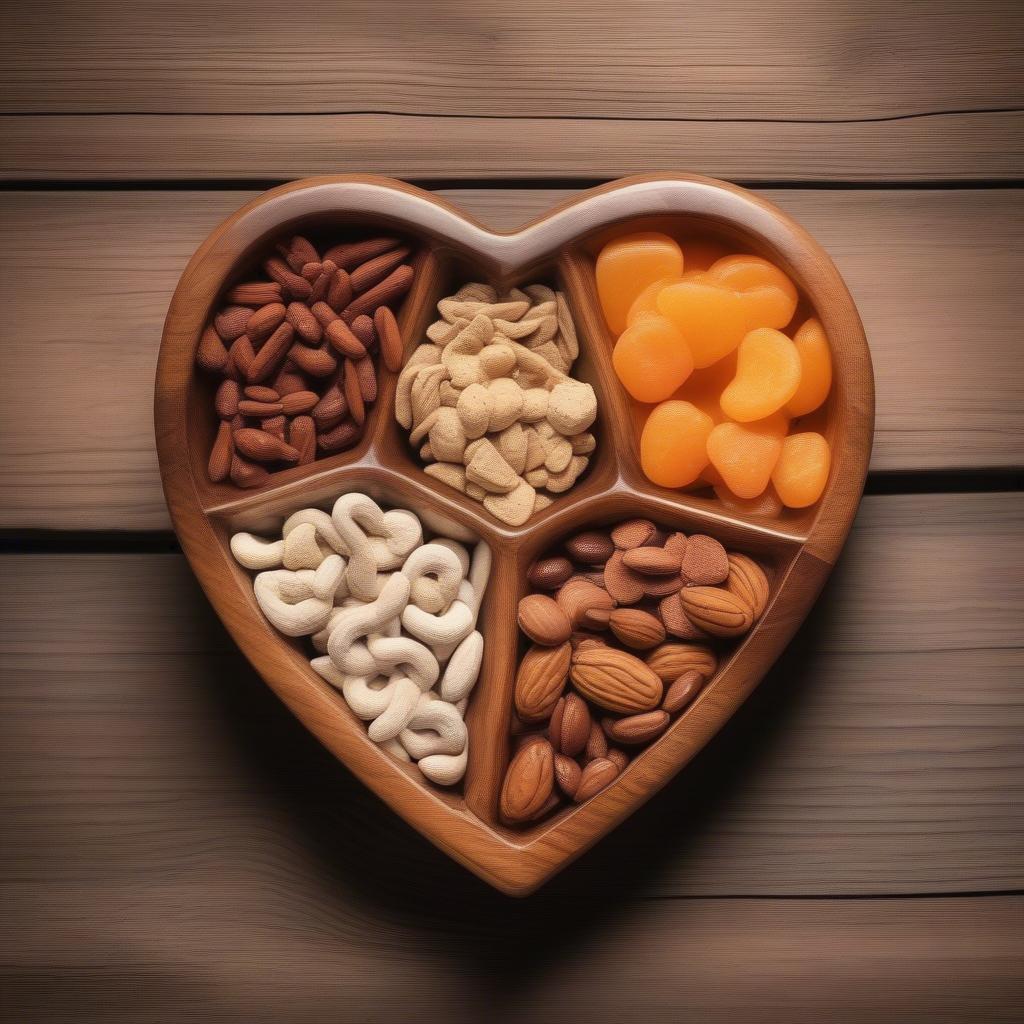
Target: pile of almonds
(295, 352)
(600, 619)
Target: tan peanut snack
(391, 618)
(625, 631)
(302, 346)
(489, 393)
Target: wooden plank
(883, 755)
(188, 949)
(787, 61)
(80, 455)
(985, 146)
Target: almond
(317, 362)
(549, 573)
(575, 726)
(353, 393)
(259, 393)
(676, 621)
(717, 611)
(339, 290)
(312, 270)
(305, 325)
(271, 355)
(211, 354)
(636, 729)
(748, 582)
(596, 619)
(221, 454)
(341, 338)
(292, 285)
(350, 254)
(651, 561)
(663, 586)
(265, 321)
(615, 680)
(323, 313)
(528, 782)
(363, 329)
(633, 533)
(555, 725)
(227, 398)
(298, 252)
(567, 775)
(390, 338)
(705, 562)
(254, 293)
(386, 293)
(540, 681)
(247, 474)
(259, 410)
(599, 774)
(590, 548)
(342, 436)
(367, 377)
(543, 621)
(274, 425)
(619, 758)
(578, 595)
(670, 661)
(637, 629)
(683, 691)
(260, 446)
(240, 357)
(597, 743)
(302, 437)
(298, 402)
(231, 321)
(332, 404)
(372, 272)
(675, 544)
(288, 382)
(625, 585)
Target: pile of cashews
(393, 619)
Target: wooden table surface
(175, 847)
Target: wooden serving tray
(798, 548)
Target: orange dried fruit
(646, 303)
(767, 376)
(701, 255)
(768, 292)
(815, 368)
(745, 453)
(627, 265)
(711, 317)
(765, 504)
(800, 474)
(651, 359)
(673, 445)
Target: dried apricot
(815, 369)
(745, 453)
(673, 445)
(769, 293)
(802, 468)
(710, 316)
(627, 265)
(646, 303)
(651, 359)
(767, 376)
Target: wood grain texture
(984, 146)
(921, 266)
(217, 947)
(138, 745)
(793, 60)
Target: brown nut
(540, 681)
(748, 582)
(651, 561)
(541, 619)
(590, 548)
(705, 562)
(717, 611)
(528, 782)
(575, 726)
(626, 586)
(578, 595)
(637, 629)
(682, 692)
(549, 573)
(567, 775)
(615, 680)
(633, 533)
(599, 774)
(597, 744)
(636, 729)
(671, 660)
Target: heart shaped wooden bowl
(798, 549)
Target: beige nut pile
(392, 616)
(489, 403)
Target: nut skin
(747, 580)
(540, 681)
(636, 729)
(567, 775)
(528, 782)
(705, 561)
(590, 548)
(543, 621)
(577, 596)
(575, 726)
(549, 573)
(651, 561)
(636, 628)
(682, 692)
(717, 611)
(616, 681)
(671, 660)
(633, 533)
(597, 743)
(599, 774)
